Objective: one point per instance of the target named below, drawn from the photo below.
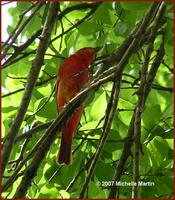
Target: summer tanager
(72, 76)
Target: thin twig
(42, 106)
(115, 96)
(64, 12)
(19, 30)
(32, 77)
(62, 30)
(18, 24)
(11, 61)
(78, 23)
(20, 157)
(50, 134)
(140, 104)
(72, 182)
(169, 68)
(20, 49)
(32, 131)
(3, 4)
(128, 143)
(36, 85)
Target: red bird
(72, 76)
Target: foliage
(107, 27)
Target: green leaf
(88, 28)
(170, 143)
(8, 109)
(22, 6)
(99, 107)
(94, 190)
(155, 147)
(101, 40)
(48, 112)
(34, 24)
(12, 12)
(20, 68)
(50, 193)
(45, 90)
(52, 65)
(166, 182)
(169, 31)
(51, 170)
(152, 190)
(151, 116)
(9, 29)
(64, 194)
(70, 39)
(145, 161)
(91, 125)
(120, 28)
(102, 14)
(74, 168)
(157, 131)
(135, 6)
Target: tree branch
(19, 30)
(93, 9)
(36, 85)
(43, 145)
(127, 145)
(32, 77)
(49, 136)
(140, 104)
(19, 49)
(18, 24)
(115, 93)
(34, 130)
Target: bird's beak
(97, 49)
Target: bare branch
(49, 136)
(19, 30)
(127, 145)
(34, 130)
(169, 68)
(21, 154)
(18, 24)
(33, 75)
(94, 7)
(140, 104)
(3, 4)
(115, 94)
(10, 61)
(19, 49)
(36, 85)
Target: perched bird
(72, 76)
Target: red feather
(72, 76)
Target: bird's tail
(65, 153)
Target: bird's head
(92, 50)
(87, 53)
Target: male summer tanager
(72, 76)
